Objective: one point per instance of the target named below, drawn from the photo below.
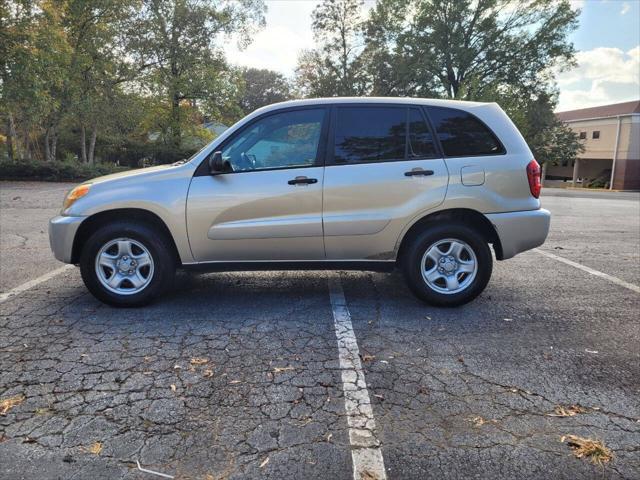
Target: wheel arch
(465, 216)
(138, 215)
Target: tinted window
(462, 135)
(596, 134)
(287, 139)
(369, 134)
(420, 139)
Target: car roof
(366, 100)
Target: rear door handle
(302, 181)
(417, 172)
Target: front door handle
(302, 181)
(417, 172)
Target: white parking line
(612, 279)
(33, 283)
(365, 446)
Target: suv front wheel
(447, 265)
(127, 264)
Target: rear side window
(462, 134)
(420, 139)
(369, 134)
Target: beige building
(611, 137)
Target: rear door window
(421, 143)
(370, 134)
(461, 134)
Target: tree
(263, 87)
(175, 40)
(459, 48)
(333, 68)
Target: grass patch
(593, 450)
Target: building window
(583, 135)
(596, 134)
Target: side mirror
(216, 163)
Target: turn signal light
(75, 194)
(534, 177)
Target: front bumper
(520, 231)
(62, 232)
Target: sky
(607, 41)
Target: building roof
(612, 110)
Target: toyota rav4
(338, 183)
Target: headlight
(75, 194)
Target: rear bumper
(520, 231)
(62, 232)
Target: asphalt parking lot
(240, 375)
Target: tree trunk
(54, 144)
(175, 121)
(10, 137)
(27, 145)
(83, 143)
(47, 149)
(92, 144)
(50, 143)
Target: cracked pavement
(237, 375)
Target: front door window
(282, 140)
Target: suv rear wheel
(447, 265)
(127, 264)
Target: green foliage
(263, 87)
(54, 171)
(111, 80)
(460, 48)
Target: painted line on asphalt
(365, 446)
(33, 283)
(597, 273)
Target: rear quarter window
(462, 134)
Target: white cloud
(603, 75)
(625, 8)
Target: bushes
(54, 171)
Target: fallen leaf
(329, 436)
(368, 475)
(207, 373)
(95, 448)
(8, 403)
(570, 411)
(367, 358)
(173, 388)
(233, 382)
(479, 421)
(199, 361)
(264, 462)
(282, 369)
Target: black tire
(411, 264)
(158, 246)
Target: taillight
(533, 175)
